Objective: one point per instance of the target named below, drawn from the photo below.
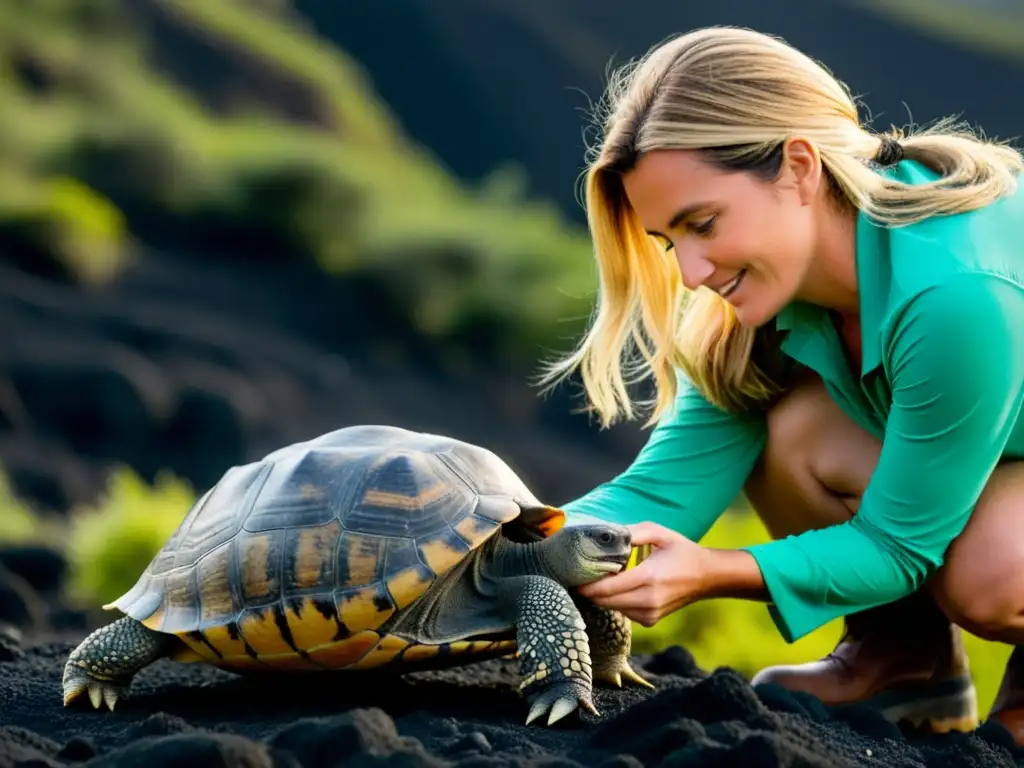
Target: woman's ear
(801, 169)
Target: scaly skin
(104, 664)
(611, 639)
(554, 651)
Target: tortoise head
(579, 554)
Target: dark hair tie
(890, 152)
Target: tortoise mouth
(620, 559)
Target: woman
(834, 323)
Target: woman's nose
(694, 267)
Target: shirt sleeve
(956, 368)
(691, 469)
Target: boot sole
(951, 705)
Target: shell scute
(309, 561)
(181, 599)
(344, 653)
(312, 626)
(407, 575)
(259, 557)
(360, 559)
(440, 552)
(476, 529)
(365, 607)
(305, 488)
(216, 519)
(214, 582)
(406, 495)
(261, 630)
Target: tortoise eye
(605, 538)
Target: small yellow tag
(638, 555)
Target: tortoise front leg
(611, 640)
(554, 652)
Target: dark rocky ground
(193, 715)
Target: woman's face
(749, 240)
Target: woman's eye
(704, 227)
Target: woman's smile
(728, 289)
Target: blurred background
(227, 225)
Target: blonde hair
(736, 95)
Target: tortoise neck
(513, 559)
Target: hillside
(511, 81)
(215, 239)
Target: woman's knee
(985, 601)
(981, 583)
(815, 464)
(979, 606)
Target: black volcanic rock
(472, 716)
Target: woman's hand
(672, 576)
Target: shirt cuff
(796, 615)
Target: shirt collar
(811, 338)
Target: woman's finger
(641, 606)
(651, 533)
(639, 599)
(623, 581)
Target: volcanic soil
(194, 715)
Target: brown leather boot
(1008, 706)
(905, 659)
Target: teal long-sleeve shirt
(941, 385)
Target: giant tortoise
(371, 546)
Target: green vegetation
(281, 151)
(18, 523)
(110, 544)
(67, 222)
(107, 544)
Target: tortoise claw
(100, 692)
(630, 674)
(560, 700)
(623, 670)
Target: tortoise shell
(303, 559)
